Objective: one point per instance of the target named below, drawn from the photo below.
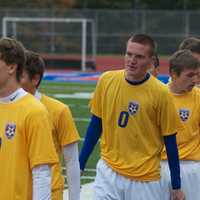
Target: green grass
(79, 109)
(62, 87)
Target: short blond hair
(191, 43)
(181, 60)
(13, 52)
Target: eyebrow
(136, 54)
(191, 73)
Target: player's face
(3, 72)
(7, 74)
(137, 61)
(197, 55)
(187, 79)
(27, 84)
(198, 78)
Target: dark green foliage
(104, 4)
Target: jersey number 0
(123, 119)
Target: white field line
(88, 177)
(84, 178)
(79, 106)
(82, 139)
(86, 170)
(61, 87)
(86, 192)
(78, 95)
(81, 119)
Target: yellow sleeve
(97, 99)
(40, 144)
(67, 130)
(168, 118)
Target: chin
(132, 73)
(190, 88)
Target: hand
(177, 195)
(81, 172)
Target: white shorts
(190, 179)
(111, 186)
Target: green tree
(141, 4)
(170, 4)
(101, 4)
(36, 3)
(104, 4)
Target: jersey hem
(70, 142)
(43, 162)
(135, 178)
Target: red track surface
(105, 63)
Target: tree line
(104, 4)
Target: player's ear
(12, 68)
(173, 75)
(152, 61)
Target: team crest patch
(184, 114)
(10, 130)
(133, 108)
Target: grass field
(77, 100)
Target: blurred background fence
(112, 29)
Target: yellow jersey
(64, 133)
(188, 140)
(134, 120)
(26, 141)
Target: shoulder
(111, 74)
(51, 100)
(31, 103)
(53, 104)
(158, 86)
(160, 92)
(196, 90)
(30, 106)
(107, 78)
(196, 94)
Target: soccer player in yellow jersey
(189, 43)
(134, 115)
(64, 132)
(184, 68)
(192, 44)
(155, 66)
(26, 144)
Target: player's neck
(137, 81)
(33, 91)
(8, 88)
